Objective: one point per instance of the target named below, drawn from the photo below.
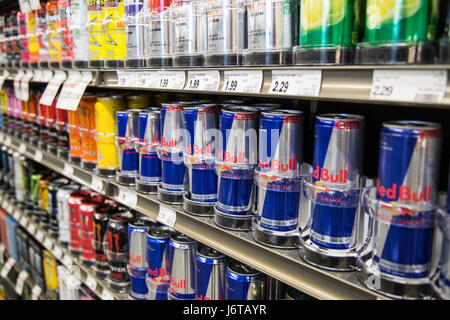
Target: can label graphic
(79, 29)
(158, 25)
(33, 41)
(96, 29)
(114, 30)
(135, 29)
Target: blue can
(200, 150)
(138, 287)
(11, 227)
(209, 274)
(236, 159)
(243, 282)
(149, 138)
(158, 277)
(278, 172)
(127, 136)
(181, 256)
(408, 170)
(337, 166)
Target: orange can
(74, 137)
(87, 130)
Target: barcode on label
(424, 97)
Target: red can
(74, 202)
(63, 133)
(50, 123)
(86, 231)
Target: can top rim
(209, 252)
(130, 111)
(282, 112)
(160, 232)
(340, 116)
(181, 238)
(200, 106)
(412, 124)
(240, 109)
(238, 267)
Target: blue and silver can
(181, 267)
(444, 224)
(337, 168)
(406, 187)
(243, 282)
(209, 274)
(127, 135)
(147, 147)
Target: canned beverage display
(22, 41)
(328, 31)
(87, 131)
(75, 152)
(73, 203)
(96, 29)
(135, 26)
(444, 52)
(53, 34)
(80, 34)
(147, 147)
(106, 109)
(52, 206)
(43, 131)
(181, 255)
(50, 125)
(443, 283)
(114, 40)
(33, 40)
(62, 131)
(86, 232)
(66, 35)
(158, 45)
(242, 282)
(235, 163)
(44, 50)
(64, 213)
(33, 106)
(399, 32)
(209, 274)
(199, 154)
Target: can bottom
(114, 64)
(81, 64)
(391, 286)
(396, 54)
(66, 64)
(324, 56)
(203, 209)
(171, 197)
(280, 240)
(159, 62)
(34, 65)
(43, 65)
(63, 153)
(223, 60)
(75, 160)
(233, 222)
(267, 58)
(138, 296)
(54, 65)
(52, 148)
(146, 188)
(135, 63)
(124, 180)
(106, 172)
(189, 61)
(96, 64)
(88, 165)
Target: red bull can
(210, 267)
(406, 187)
(337, 169)
(181, 268)
(243, 282)
(444, 224)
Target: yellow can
(106, 124)
(138, 102)
(114, 35)
(54, 36)
(51, 277)
(96, 32)
(4, 105)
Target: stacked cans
(444, 224)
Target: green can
(35, 178)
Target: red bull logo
(347, 125)
(224, 168)
(276, 165)
(165, 143)
(241, 157)
(404, 193)
(135, 260)
(323, 174)
(396, 209)
(319, 187)
(157, 274)
(269, 178)
(164, 152)
(244, 116)
(198, 150)
(176, 284)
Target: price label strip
(68, 170)
(208, 80)
(409, 85)
(22, 148)
(7, 267)
(91, 283)
(24, 221)
(35, 292)
(75, 91)
(69, 85)
(52, 88)
(67, 261)
(57, 252)
(127, 197)
(21, 278)
(40, 236)
(48, 243)
(106, 295)
(31, 228)
(38, 156)
(246, 81)
(129, 79)
(47, 75)
(97, 184)
(296, 82)
(168, 80)
(25, 85)
(16, 215)
(167, 216)
(16, 84)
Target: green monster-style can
(399, 31)
(329, 31)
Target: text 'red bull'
(403, 193)
(158, 275)
(323, 174)
(276, 165)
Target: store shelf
(339, 83)
(83, 273)
(284, 265)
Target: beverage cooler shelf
(284, 265)
(352, 83)
(72, 263)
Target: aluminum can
(80, 34)
(135, 32)
(74, 137)
(127, 135)
(65, 30)
(408, 170)
(41, 21)
(181, 255)
(209, 274)
(52, 208)
(54, 36)
(243, 282)
(63, 213)
(337, 164)
(50, 123)
(87, 130)
(23, 39)
(63, 133)
(96, 29)
(86, 232)
(158, 33)
(73, 203)
(114, 38)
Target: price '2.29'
(281, 86)
(382, 90)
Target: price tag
(16, 215)
(40, 236)
(24, 6)
(25, 85)
(22, 148)
(31, 228)
(129, 79)
(73, 90)
(168, 80)
(127, 197)
(38, 156)
(7, 142)
(208, 80)
(48, 243)
(167, 216)
(5, 203)
(68, 170)
(37, 75)
(247, 81)
(7, 267)
(69, 85)
(57, 252)
(296, 82)
(106, 295)
(35, 292)
(2, 252)
(16, 83)
(21, 278)
(24, 221)
(35, 4)
(409, 85)
(47, 75)
(67, 261)
(97, 184)
(9, 208)
(3, 78)
(52, 88)
(91, 283)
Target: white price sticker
(9, 208)
(72, 93)
(167, 216)
(7, 267)
(24, 221)
(57, 252)
(68, 170)
(106, 295)
(40, 236)
(16, 215)
(25, 85)
(296, 82)
(247, 81)
(16, 83)
(38, 156)
(21, 278)
(409, 85)
(97, 184)
(35, 292)
(24, 6)
(47, 75)
(208, 80)
(31, 228)
(35, 4)
(128, 79)
(52, 88)
(37, 75)
(48, 243)
(91, 283)
(127, 197)
(2, 252)
(168, 80)
(22, 148)
(67, 261)
(7, 142)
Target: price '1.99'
(231, 85)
